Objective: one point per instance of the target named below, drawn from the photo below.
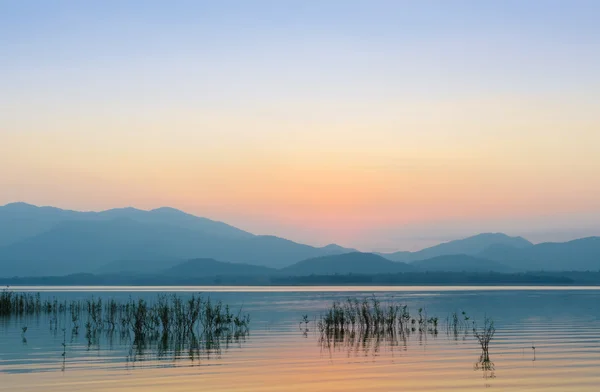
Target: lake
(282, 353)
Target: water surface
(282, 354)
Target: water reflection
(361, 326)
(288, 354)
(485, 365)
(363, 342)
(206, 346)
(164, 328)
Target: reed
(371, 316)
(361, 326)
(484, 335)
(167, 316)
(12, 303)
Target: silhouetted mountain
(577, 255)
(459, 263)
(19, 221)
(210, 267)
(174, 217)
(84, 246)
(89, 245)
(403, 256)
(38, 241)
(348, 263)
(334, 249)
(130, 266)
(467, 246)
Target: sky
(382, 125)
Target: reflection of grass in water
(484, 336)
(170, 322)
(169, 314)
(371, 315)
(364, 325)
(175, 347)
(23, 331)
(361, 326)
(457, 325)
(486, 366)
(205, 345)
(364, 342)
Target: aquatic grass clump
(458, 324)
(171, 315)
(362, 325)
(12, 303)
(485, 335)
(168, 314)
(195, 322)
(369, 315)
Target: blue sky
(322, 121)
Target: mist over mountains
(47, 241)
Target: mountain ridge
(49, 241)
(22, 220)
(204, 267)
(64, 241)
(354, 262)
(472, 246)
(460, 263)
(579, 254)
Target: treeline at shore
(406, 278)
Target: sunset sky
(382, 125)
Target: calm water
(281, 355)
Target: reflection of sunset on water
(286, 351)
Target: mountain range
(347, 263)
(467, 246)
(50, 241)
(47, 241)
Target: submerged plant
(305, 320)
(363, 325)
(368, 317)
(195, 322)
(486, 334)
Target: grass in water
(167, 321)
(362, 325)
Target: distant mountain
(98, 242)
(459, 263)
(348, 263)
(48, 241)
(334, 249)
(577, 255)
(402, 256)
(85, 246)
(467, 246)
(136, 266)
(19, 221)
(210, 267)
(174, 217)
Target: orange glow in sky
(336, 133)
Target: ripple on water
(278, 355)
